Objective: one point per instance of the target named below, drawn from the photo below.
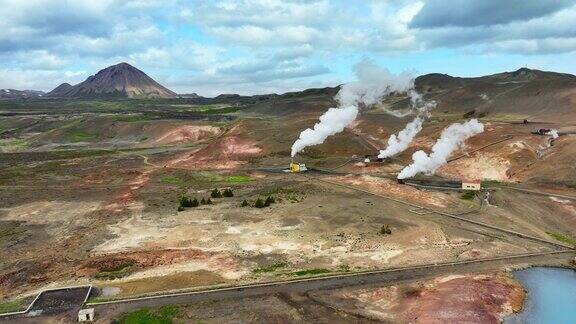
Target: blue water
(551, 296)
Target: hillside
(118, 81)
(532, 94)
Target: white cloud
(263, 44)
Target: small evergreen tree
(203, 201)
(259, 203)
(269, 201)
(185, 202)
(244, 203)
(216, 194)
(385, 230)
(194, 203)
(228, 193)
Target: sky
(275, 46)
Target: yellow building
(297, 167)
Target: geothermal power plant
(284, 162)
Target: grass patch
(173, 180)
(162, 315)
(562, 238)
(270, 268)
(311, 272)
(468, 195)
(13, 144)
(206, 176)
(490, 183)
(13, 306)
(238, 179)
(81, 137)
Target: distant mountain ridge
(117, 81)
(15, 94)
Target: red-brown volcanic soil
(141, 259)
(479, 299)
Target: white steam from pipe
(400, 142)
(451, 138)
(553, 133)
(372, 85)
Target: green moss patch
(311, 272)
(562, 238)
(13, 306)
(238, 179)
(81, 137)
(162, 315)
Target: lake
(551, 296)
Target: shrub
(209, 201)
(203, 201)
(468, 195)
(216, 194)
(185, 202)
(228, 193)
(194, 203)
(244, 203)
(269, 201)
(180, 208)
(259, 203)
(385, 230)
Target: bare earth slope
(533, 94)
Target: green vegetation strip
(13, 306)
(81, 137)
(311, 272)
(238, 179)
(13, 144)
(173, 180)
(562, 238)
(162, 315)
(468, 195)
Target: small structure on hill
(86, 315)
(475, 185)
(297, 167)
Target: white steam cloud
(553, 133)
(451, 138)
(373, 84)
(399, 143)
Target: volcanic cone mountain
(120, 81)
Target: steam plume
(451, 138)
(399, 143)
(373, 84)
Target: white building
(86, 315)
(474, 185)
